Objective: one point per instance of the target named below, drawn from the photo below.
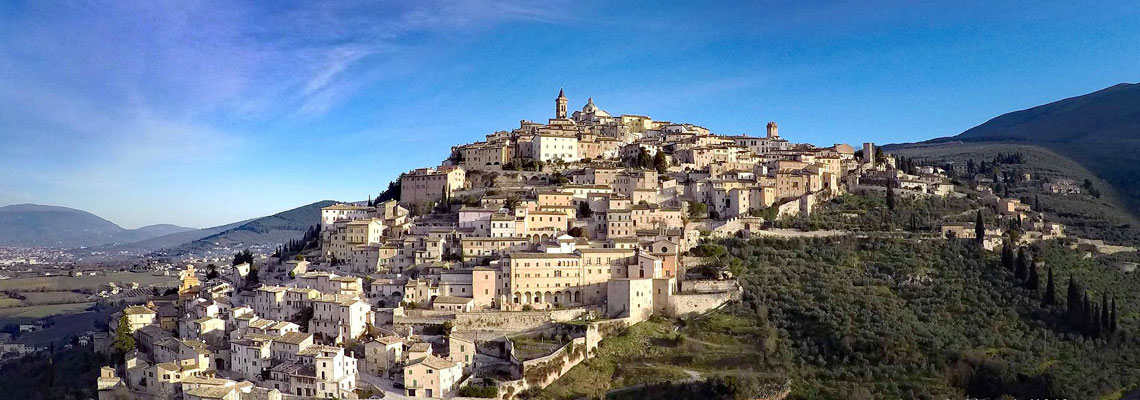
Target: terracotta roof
(211, 392)
(294, 337)
(453, 300)
(435, 362)
(137, 310)
(390, 340)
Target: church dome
(590, 107)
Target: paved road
(390, 392)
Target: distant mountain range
(52, 226)
(30, 225)
(1100, 130)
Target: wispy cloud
(95, 95)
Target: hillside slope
(1105, 217)
(1100, 130)
(169, 240)
(52, 226)
(261, 233)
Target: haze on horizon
(208, 113)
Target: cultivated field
(37, 312)
(66, 283)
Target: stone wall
(709, 286)
(514, 321)
(682, 304)
(543, 371)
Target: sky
(205, 113)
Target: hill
(168, 241)
(261, 233)
(1100, 130)
(1104, 216)
(51, 226)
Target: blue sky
(204, 113)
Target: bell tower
(560, 105)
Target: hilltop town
(498, 270)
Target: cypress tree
(123, 341)
(890, 196)
(1073, 303)
(1094, 321)
(1007, 256)
(979, 229)
(1050, 297)
(1022, 271)
(1104, 318)
(1087, 319)
(1033, 282)
(1112, 318)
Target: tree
(244, 256)
(660, 163)
(1007, 258)
(890, 196)
(211, 272)
(252, 279)
(1022, 271)
(1074, 307)
(123, 342)
(391, 193)
(302, 318)
(698, 210)
(1105, 319)
(979, 229)
(1033, 282)
(1112, 318)
(1088, 316)
(447, 327)
(1094, 320)
(584, 210)
(1050, 297)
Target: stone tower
(773, 131)
(868, 153)
(560, 105)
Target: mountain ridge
(1100, 130)
(268, 231)
(39, 225)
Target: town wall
(514, 321)
(708, 286)
(682, 304)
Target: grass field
(37, 312)
(42, 298)
(658, 351)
